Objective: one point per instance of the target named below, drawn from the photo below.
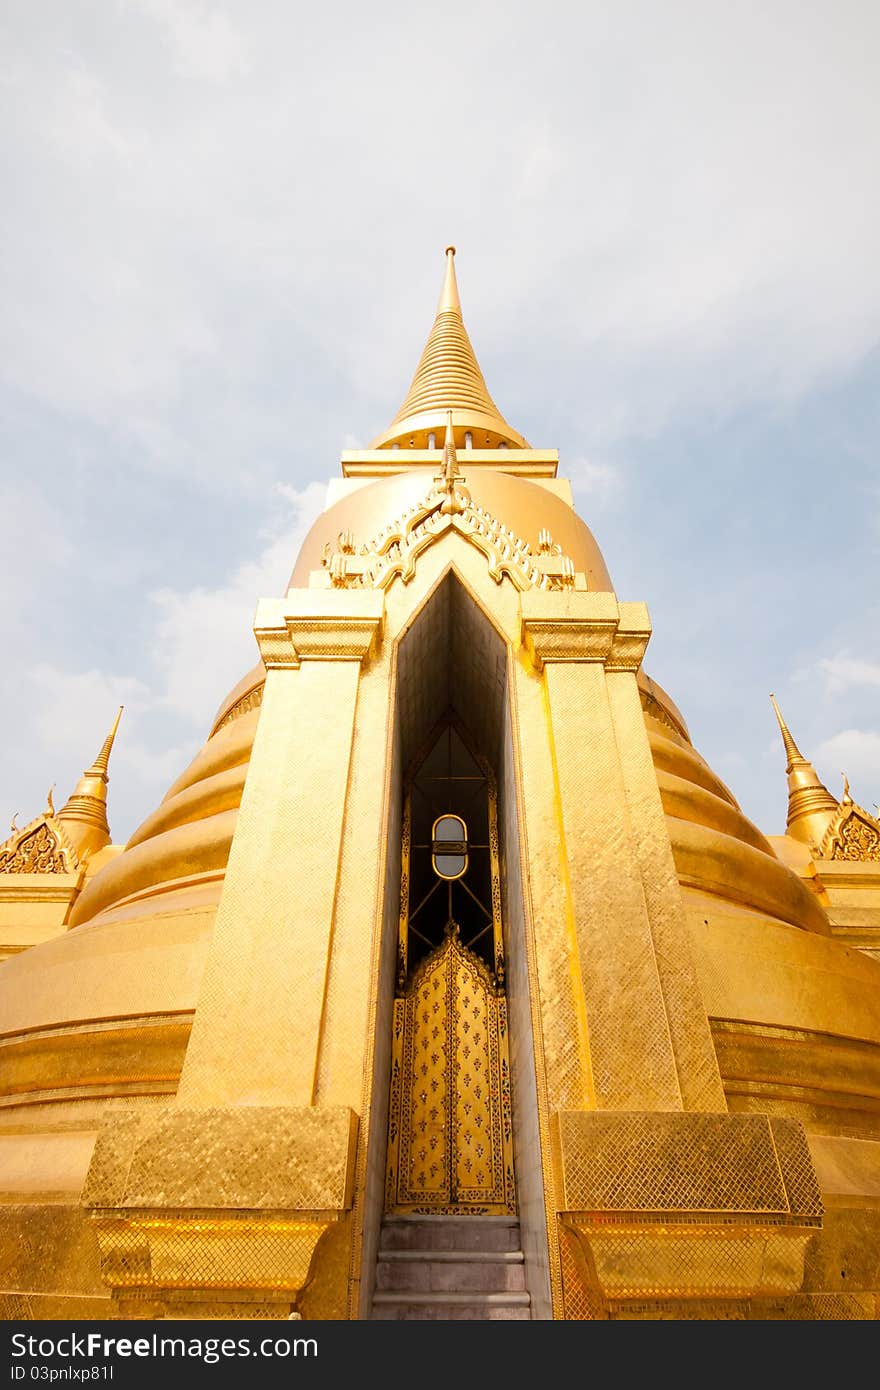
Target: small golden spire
(449, 294)
(451, 471)
(448, 377)
(50, 804)
(846, 796)
(85, 811)
(100, 766)
(792, 751)
(811, 807)
(450, 458)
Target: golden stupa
(448, 980)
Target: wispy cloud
(855, 752)
(203, 638)
(203, 40)
(843, 672)
(200, 642)
(593, 477)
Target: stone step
(460, 1233)
(495, 1271)
(452, 1307)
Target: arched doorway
(450, 1141)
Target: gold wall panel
(687, 1163)
(205, 1251)
(251, 1042)
(104, 1059)
(248, 1157)
(696, 1065)
(48, 1250)
(633, 1064)
(830, 1083)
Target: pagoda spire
(811, 806)
(448, 377)
(84, 814)
(449, 300)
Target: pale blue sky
(221, 251)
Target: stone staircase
(450, 1267)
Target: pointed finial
(811, 807)
(792, 751)
(100, 767)
(449, 300)
(50, 804)
(448, 377)
(450, 458)
(13, 827)
(846, 795)
(451, 502)
(85, 812)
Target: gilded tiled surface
(844, 1256)
(47, 1249)
(144, 1251)
(630, 1047)
(269, 956)
(324, 626)
(350, 981)
(563, 1019)
(696, 1067)
(699, 1261)
(250, 1157)
(534, 1185)
(24, 1307)
(96, 1059)
(325, 1294)
(686, 1163)
(584, 1300)
(370, 1172)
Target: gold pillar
(662, 1200)
(649, 1041)
(220, 1202)
(257, 1029)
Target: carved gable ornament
(852, 835)
(38, 848)
(447, 508)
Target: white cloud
(199, 645)
(842, 672)
(78, 122)
(542, 162)
(72, 710)
(203, 41)
(33, 541)
(203, 640)
(681, 218)
(593, 477)
(855, 752)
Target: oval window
(449, 846)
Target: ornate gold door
(450, 1144)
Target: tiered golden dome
(448, 377)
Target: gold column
(221, 1204)
(663, 1200)
(623, 899)
(696, 1065)
(257, 1027)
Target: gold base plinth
(219, 1212)
(669, 1214)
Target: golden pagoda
(448, 981)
